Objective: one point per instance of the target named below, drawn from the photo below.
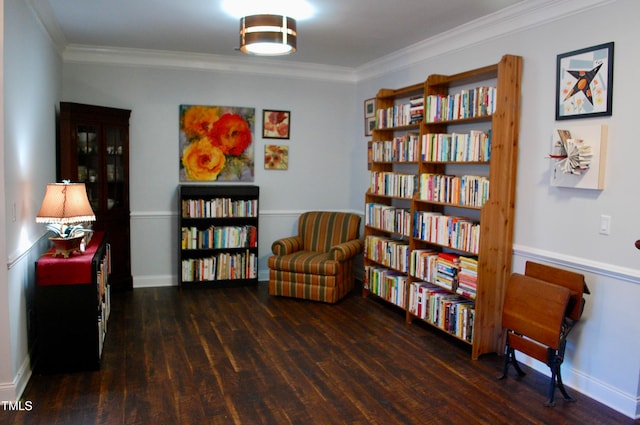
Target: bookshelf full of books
(102, 272)
(394, 154)
(439, 211)
(72, 308)
(218, 235)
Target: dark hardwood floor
(238, 356)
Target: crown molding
(517, 18)
(45, 17)
(204, 62)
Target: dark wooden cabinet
(72, 306)
(218, 235)
(93, 148)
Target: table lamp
(64, 207)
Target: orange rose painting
(216, 143)
(202, 161)
(275, 124)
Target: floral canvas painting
(216, 143)
(276, 124)
(276, 157)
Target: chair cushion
(305, 262)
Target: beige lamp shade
(65, 203)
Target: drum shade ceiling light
(268, 35)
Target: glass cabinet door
(89, 162)
(116, 152)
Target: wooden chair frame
(540, 309)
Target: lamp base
(66, 246)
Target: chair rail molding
(582, 264)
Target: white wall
(560, 226)
(321, 145)
(31, 89)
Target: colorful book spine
(473, 103)
(219, 208)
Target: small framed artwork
(584, 83)
(369, 116)
(369, 125)
(276, 157)
(369, 107)
(276, 124)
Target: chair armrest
(286, 246)
(346, 250)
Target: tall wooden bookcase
(218, 237)
(477, 227)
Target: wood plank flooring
(239, 356)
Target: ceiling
(345, 33)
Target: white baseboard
(154, 281)
(576, 381)
(12, 391)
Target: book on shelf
(460, 233)
(403, 148)
(447, 265)
(459, 318)
(401, 114)
(420, 296)
(467, 103)
(219, 208)
(388, 252)
(416, 109)
(393, 184)
(224, 266)
(388, 218)
(448, 311)
(467, 277)
(450, 271)
(423, 264)
(474, 146)
(219, 237)
(465, 190)
(390, 285)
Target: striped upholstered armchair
(317, 264)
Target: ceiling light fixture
(268, 35)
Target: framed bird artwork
(584, 83)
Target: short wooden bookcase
(218, 235)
